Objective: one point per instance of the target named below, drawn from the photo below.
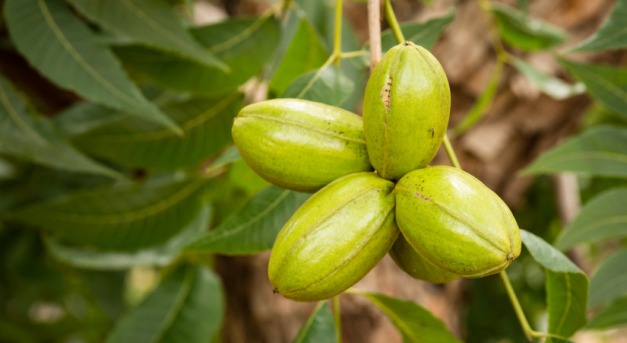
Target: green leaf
(612, 35)
(229, 156)
(566, 286)
(126, 217)
(153, 23)
(85, 116)
(548, 84)
(62, 48)
(524, 32)
(611, 316)
(328, 85)
(319, 328)
(244, 45)
(305, 52)
(601, 218)
(606, 84)
(599, 151)
(415, 323)
(107, 260)
(205, 122)
(609, 281)
(254, 227)
(33, 138)
(424, 34)
(186, 307)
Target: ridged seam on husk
(424, 258)
(454, 214)
(300, 125)
(509, 253)
(388, 108)
(350, 258)
(329, 214)
(322, 219)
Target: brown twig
(374, 31)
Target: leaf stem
(450, 152)
(337, 319)
(337, 33)
(353, 54)
(391, 18)
(285, 6)
(529, 333)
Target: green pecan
(456, 222)
(300, 145)
(406, 110)
(334, 238)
